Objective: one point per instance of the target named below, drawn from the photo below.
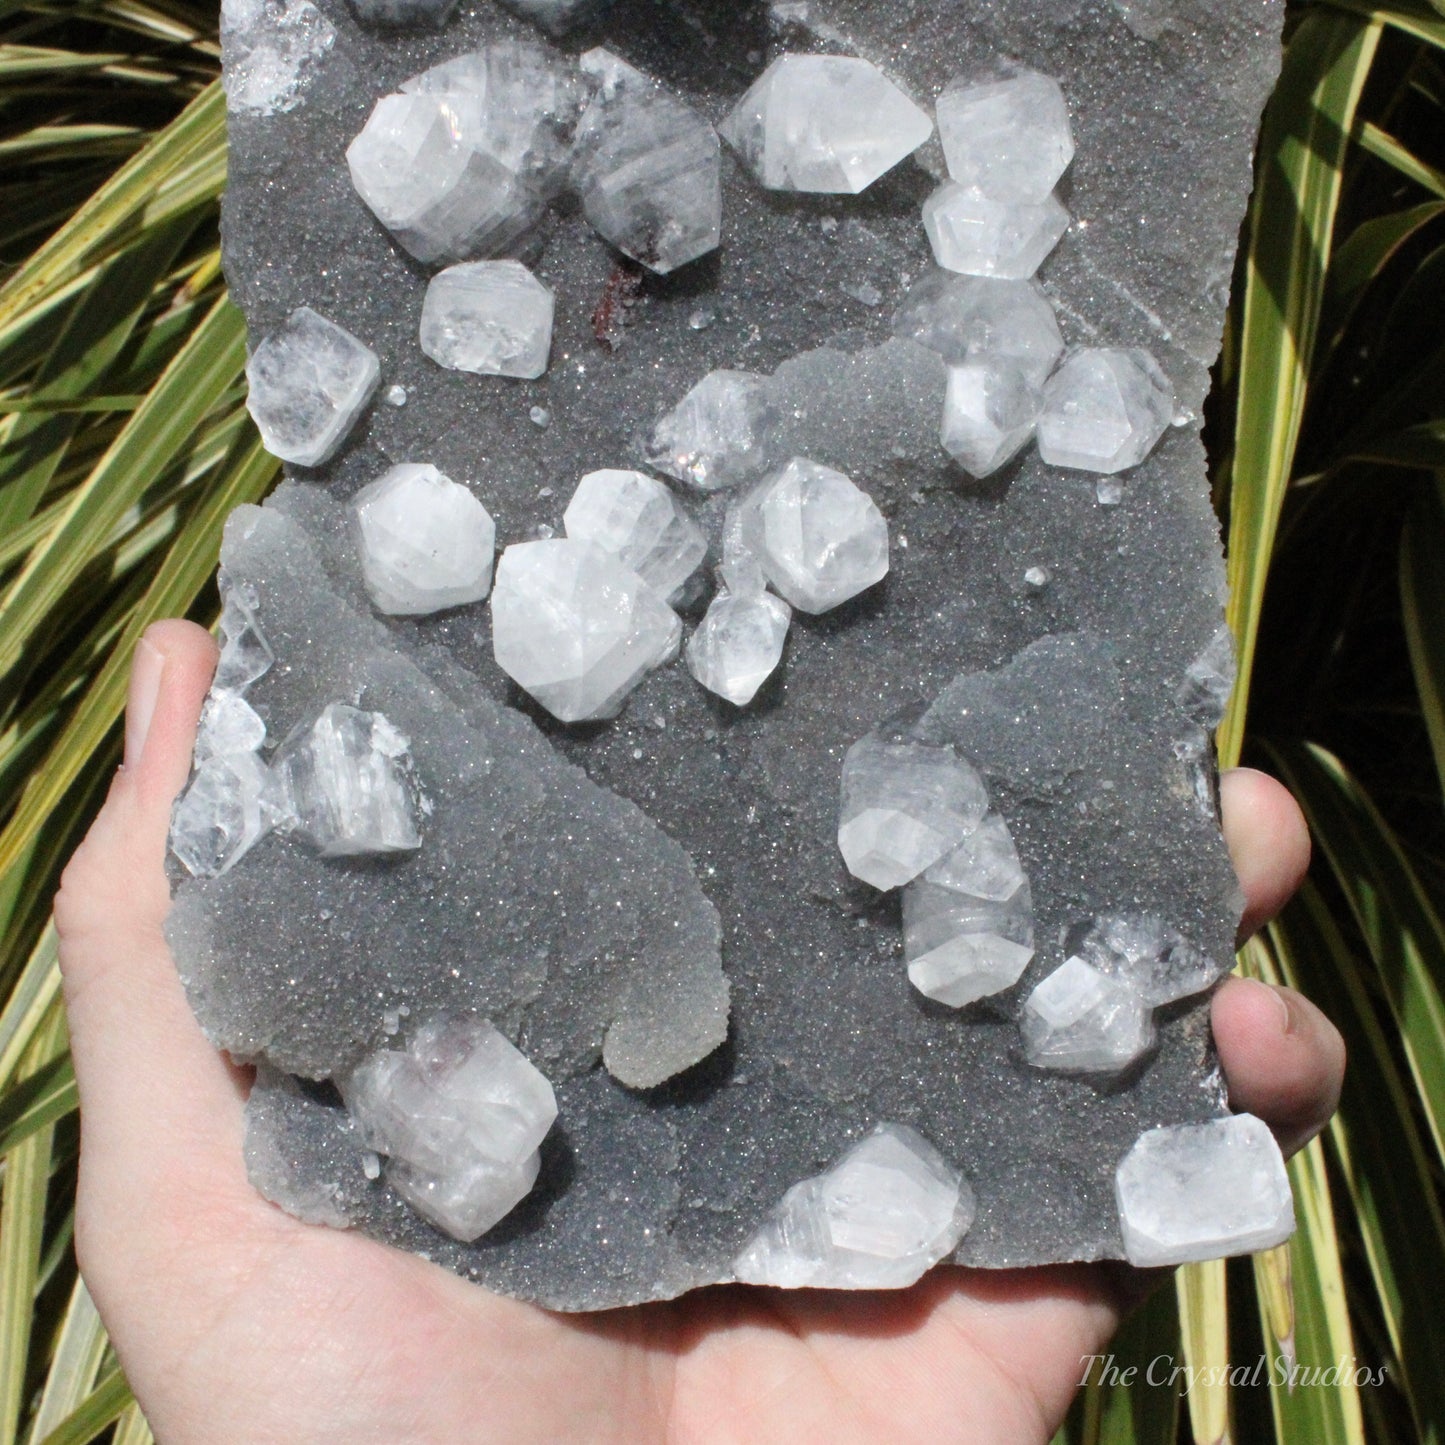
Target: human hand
(236, 1323)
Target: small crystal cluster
(270, 46)
(460, 1116)
(884, 1214)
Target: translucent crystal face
(491, 318)
(905, 806)
(637, 520)
(309, 381)
(1209, 680)
(961, 947)
(974, 234)
(719, 435)
(824, 123)
(270, 46)
(1079, 1021)
(1006, 131)
(979, 319)
(222, 815)
(647, 168)
(989, 414)
(1104, 410)
(1142, 951)
(576, 629)
(245, 656)
(738, 644)
(885, 1213)
(426, 542)
(984, 865)
(1197, 1191)
(229, 724)
(819, 539)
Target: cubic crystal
(824, 123)
(985, 865)
(961, 947)
(461, 163)
(426, 542)
(403, 14)
(269, 46)
(492, 318)
(1209, 680)
(1142, 951)
(460, 1114)
(980, 319)
(309, 381)
(637, 520)
(819, 539)
(228, 725)
(346, 785)
(905, 806)
(245, 653)
(647, 168)
(1197, 1191)
(1006, 131)
(1104, 410)
(1079, 1021)
(974, 234)
(576, 629)
(222, 815)
(989, 414)
(720, 434)
(888, 1211)
(738, 644)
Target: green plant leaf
(36, 1102)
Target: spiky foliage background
(124, 443)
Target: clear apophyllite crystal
(1104, 410)
(982, 319)
(824, 123)
(636, 518)
(426, 542)
(462, 161)
(576, 629)
(720, 434)
(818, 538)
(404, 13)
(309, 381)
(985, 864)
(989, 414)
(229, 724)
(1080, 1021)
(1006, 131)
(647, 167)
(1197, 1191)
(269, 47)
(905, 805)
(460, 1115)
(888, 1211)
(974, 234)
(491, 318)
(1209, 680)
(222, 815)
(1141, 950)
(960, 947)
(245, 653)
(347, 785)
(739, 643)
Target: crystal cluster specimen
(460, 1115)
(824, 123)
(719, 435)
(269, 48)
(309, 382)
(881, 1217)
(492, 318)
(1195, 1191)
(1081, 1021)
(637, 520)
(426, 542)
(1105, 410)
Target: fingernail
(146, 669)
(1281, 1003)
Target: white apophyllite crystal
(639, 521)
(989, 414)
(979, 319)
(460, 1114)
(309, 381)
(739, 643)
(491, 318)
(647, 168)
(888, 1211)
(978, 236)
(824, 123)
(985, 865)
(269, 46)
(576, 629)
(1104, 410)
(222, 815)
(1209, 680)
(1080, 1021)
(1006, 131)
(1197, 1191)
(403, 14)
(1141, 950)
(245, 653)
(229, 724)
(426, 542)
(960, 947)
(346, 785)
(818, 538)
(905, 806)
(462, 161)
(720, 434)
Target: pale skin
(236, 1323)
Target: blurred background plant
(124, 443)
